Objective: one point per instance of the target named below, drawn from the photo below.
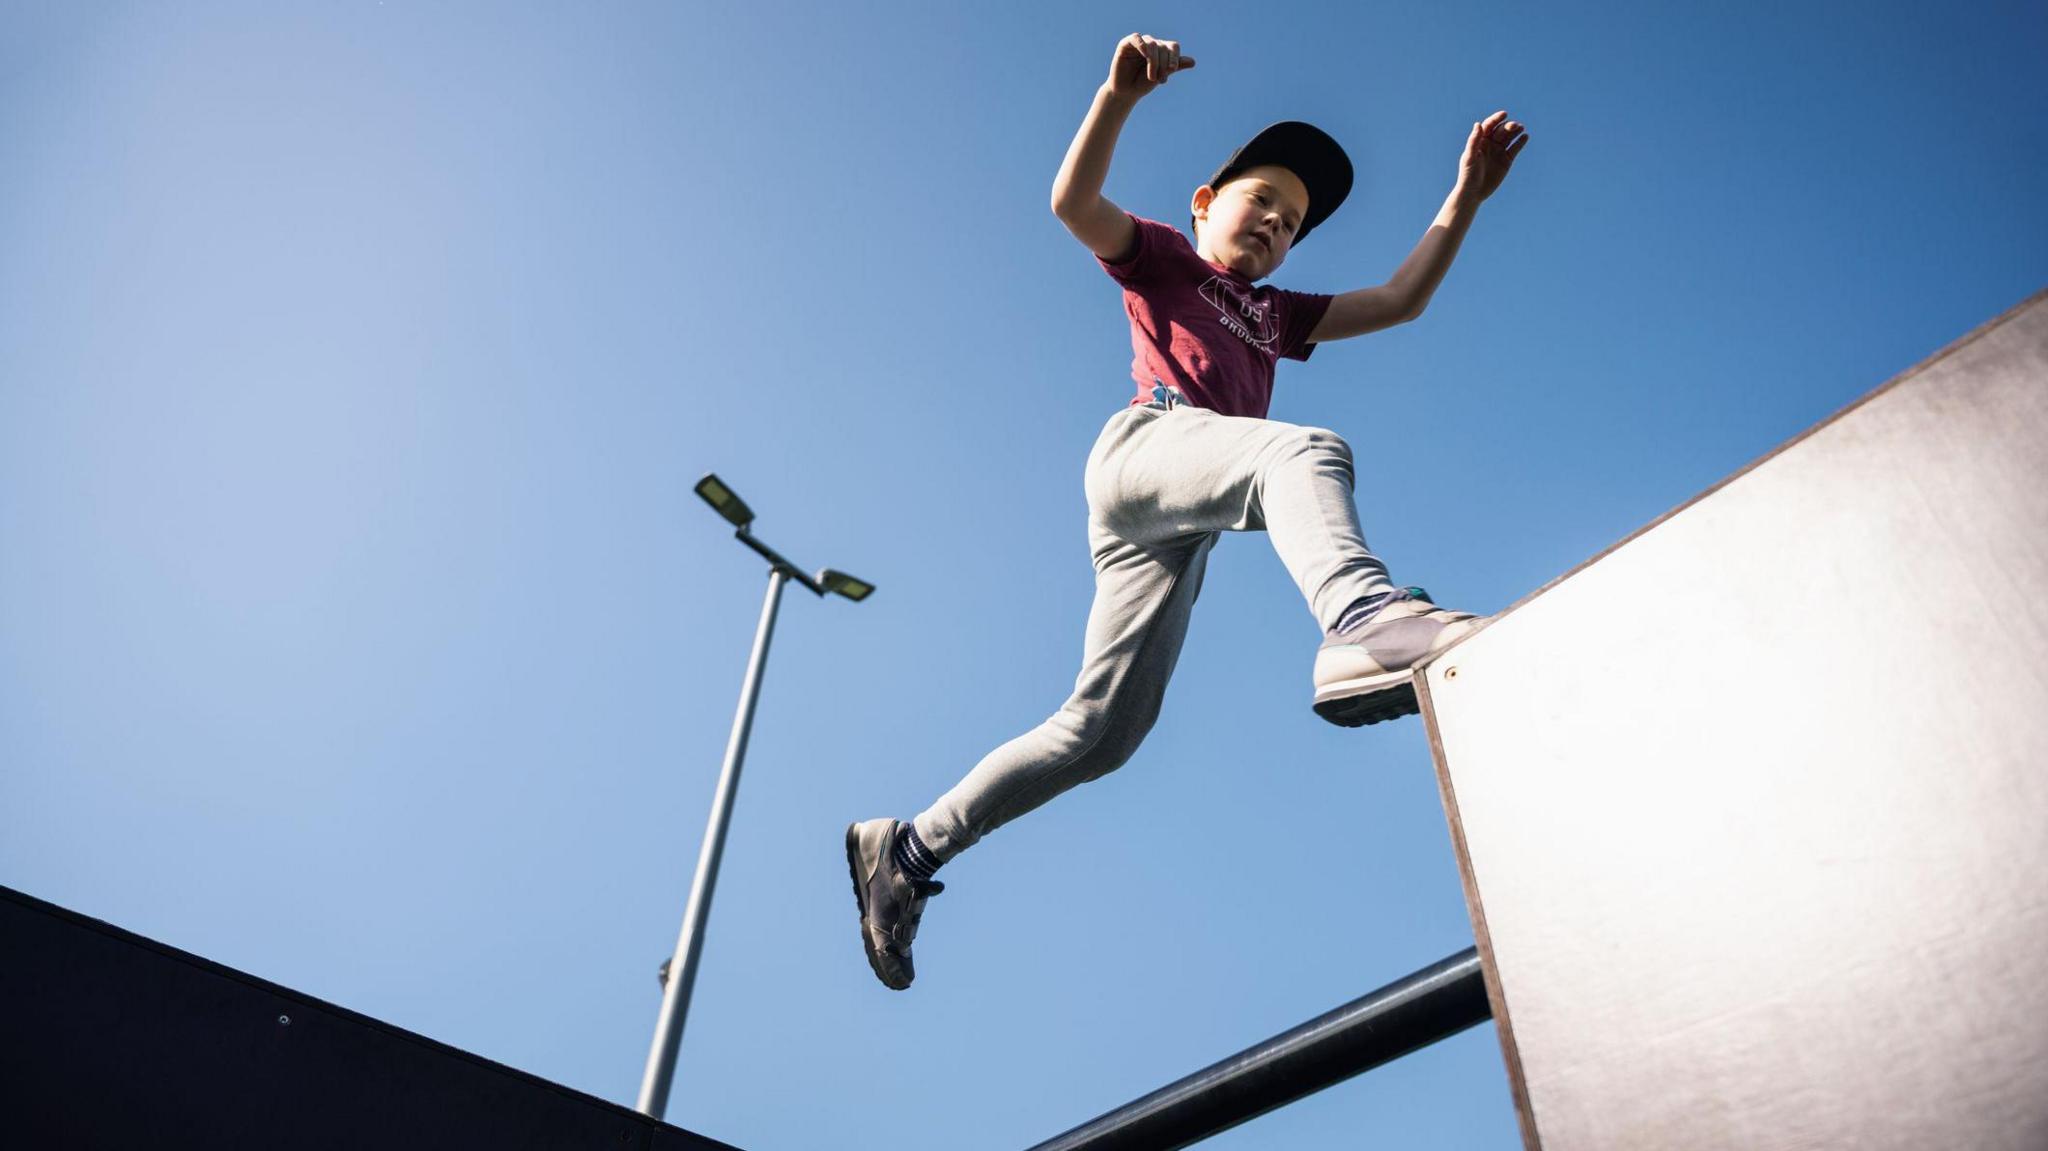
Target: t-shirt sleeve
(1151, 234)
(1300, 312)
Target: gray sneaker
(891, 900)
(1364, 675)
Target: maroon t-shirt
(1204, 329)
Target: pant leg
(1191, 470)
(1144, 594)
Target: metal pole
(675, 998)
(1410, 1013)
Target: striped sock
(1361, 609)
(912, 855)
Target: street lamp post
(678, 979)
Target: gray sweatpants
(1161, 484)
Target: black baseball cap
(1305, 150)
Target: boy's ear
(1199, 205)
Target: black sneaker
(891, 900)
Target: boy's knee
(1108, 737)
(1327, 441)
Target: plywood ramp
(1753, 808)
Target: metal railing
(1406, 1015)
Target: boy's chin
(1254, 265)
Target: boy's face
(1248, 224)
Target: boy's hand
(1489, 152)
(1142, 63)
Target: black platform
(110, 1040)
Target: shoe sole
(1368, 699)
(860, 903)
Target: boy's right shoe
(891, 899)
(1365, 674)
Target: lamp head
(852, 587)
(725, 501)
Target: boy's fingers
(1130, 48)
(1161, 58)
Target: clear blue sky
(359, 629)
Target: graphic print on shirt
(1251, 320)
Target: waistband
(1165, 397)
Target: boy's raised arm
(1489, 151)
(1141, 64)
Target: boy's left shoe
(890, 899)
(1365, 674)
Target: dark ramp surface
(111, 1040)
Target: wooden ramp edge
(1752, 809)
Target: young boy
(1193, 455)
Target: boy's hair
(1307, 151)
